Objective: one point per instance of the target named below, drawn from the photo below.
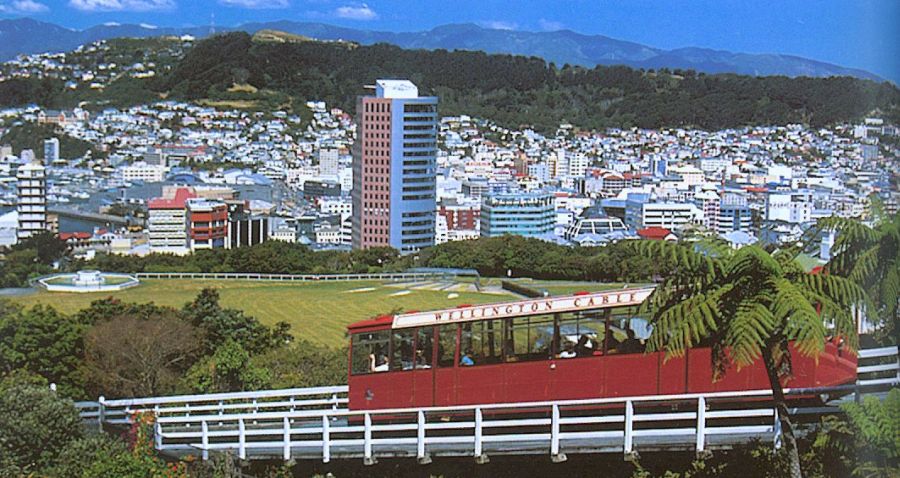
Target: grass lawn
(317, 311)
(571, 287)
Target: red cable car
(587, 345)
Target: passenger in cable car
(612, 345)
(630, 345)
(378, 362)
(568, 351)
(421, 361)
(466, 359)
(585, 346)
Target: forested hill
(515, 90)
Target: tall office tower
(394, 161)
(51, 150)
(31, 182)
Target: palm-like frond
(749, 330)
(681, 326)
(852, 240)
(837, 316)
(843, 291)
(801, 323)
(890, 290)
(751, 266)
(865, 265)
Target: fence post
(777, 429)
(629, 417)
(242, 440)
(480, 457)
(204, 439)
(701, 424)
(286, 426)
(555, 455)
(368, 459)
(326, 439)
(159, 434)
(420, 439)
(101, 408)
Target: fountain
(87, 281)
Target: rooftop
(396, 89)
(177, 202)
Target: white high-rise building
(562, 164)
(793, 207)
(328, 162)
(51, 150)
(31, 182)
(27, 156)
(578, 164)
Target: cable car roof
(519, 308)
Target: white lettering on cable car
(597, 300)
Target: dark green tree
(749, 305)
(870, 257)
(229, 369)
(46, 343)
(35, 425)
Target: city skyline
(850, 34)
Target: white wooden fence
(625, 425)
(398, 276)
(314, 423)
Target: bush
(35, 425)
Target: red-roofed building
(657, 234)
(166, 224)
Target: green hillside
(512, 90)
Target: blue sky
(855, 33)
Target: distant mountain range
(25, 35)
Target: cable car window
(580, 334)
(529, 338)
(447, 345)
(424, 347)
(402, 349)
(480, 343)
(369, 352)
(627, 334)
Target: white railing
(117, 412)
(416, 276)
(315, 423)
(687, 422)
(879, 366)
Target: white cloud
(356, 12)
(550, 25)
(499, 25)
(23, 6)
(148, 26)
(122, 5)
(256, 4)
